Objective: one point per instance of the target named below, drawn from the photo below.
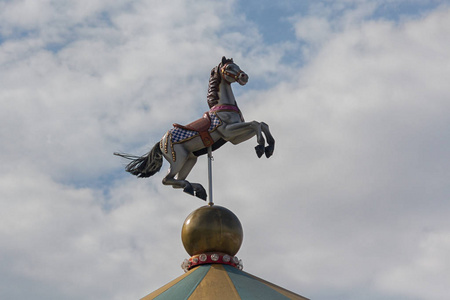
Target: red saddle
(201, 126)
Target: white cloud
(362, 146)
(61, 238)
(429, 268)
(353, 198)
(76, 91)
(313, 29)
(323, 21)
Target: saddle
(201, 126)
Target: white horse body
(182, 155)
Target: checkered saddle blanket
(202, 127)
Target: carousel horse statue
(224, 122)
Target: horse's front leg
(261, 142)
(270, 140)
(239, 132)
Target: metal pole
(210, 159)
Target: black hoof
(189, 190)
(201, 194)
(269, 150)
(259, 150)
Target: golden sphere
(212, 229)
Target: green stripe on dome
(184, 288)
(250, 288)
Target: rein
(225, 72)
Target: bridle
(225, 72)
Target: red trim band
(212, 258)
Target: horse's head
(231, 72)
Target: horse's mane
(213, 88)
(214, 82)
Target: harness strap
(227, 107)
(224, 107)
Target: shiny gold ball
(212, 229)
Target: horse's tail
(146, 165)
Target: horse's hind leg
(178, 184)
(175, 168)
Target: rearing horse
(224, 122)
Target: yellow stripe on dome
(215, 285)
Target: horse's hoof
(259, 150)
(269, 150)
(201, 194)
(189, 190)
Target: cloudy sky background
(354, 204)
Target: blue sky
(353, 204)
(274, 19)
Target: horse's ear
(224, 60)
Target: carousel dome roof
(212, 235)
(217, 281)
